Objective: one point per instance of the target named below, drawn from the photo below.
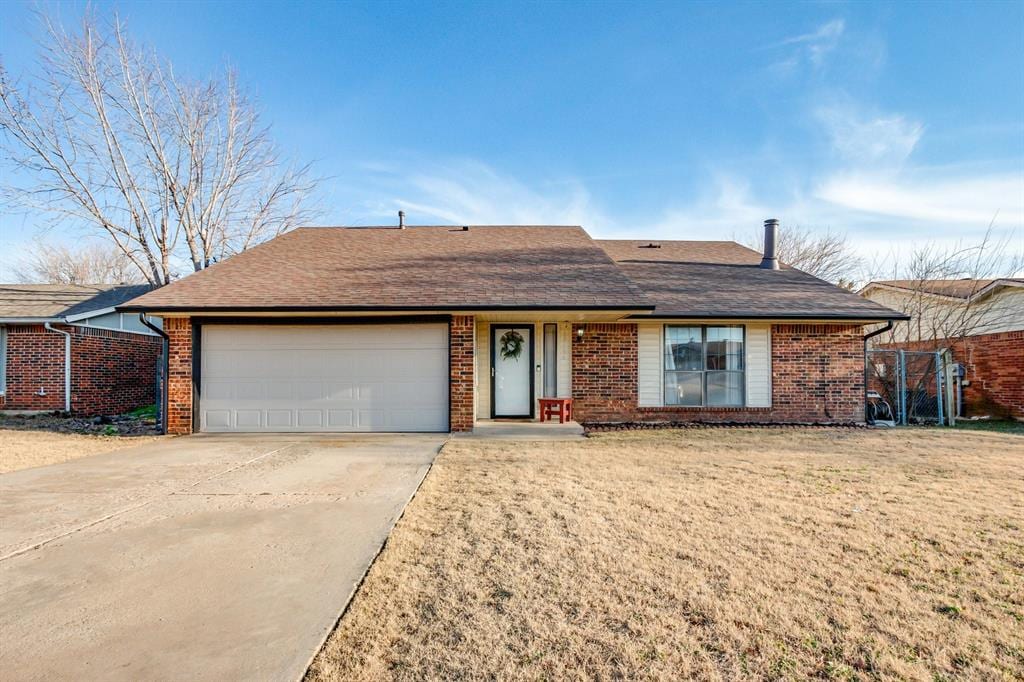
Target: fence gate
(912, 382)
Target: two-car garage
(323, 377)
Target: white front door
(512, 358)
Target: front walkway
(499, 429)
(199, 558)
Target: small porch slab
(523, 430)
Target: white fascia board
(91, 313)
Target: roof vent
(771, 236)
(401, 220)
(650, 245)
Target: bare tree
(94, 263)
(826, 255)
(174, 173)
(943, 290)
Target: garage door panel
(324, 378)
(309, 390)
(341, 418)
(338, 390)
(247, 419)
(310, 418)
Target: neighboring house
(64, 347)
(434, 328)
(980, 320)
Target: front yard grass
(706, 553)
(24, 449)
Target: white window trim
(704, 327)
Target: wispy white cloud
(873, 139)
(952, 200)
(814, 46)
(473, 193)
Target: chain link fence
(914, 384)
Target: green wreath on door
(511, 345)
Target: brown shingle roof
(723, 280)
(955, 288)
(430, 268)
(47, 301)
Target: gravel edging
(115, 425)
(606, 427)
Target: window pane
(725, 389)
(683, 388)
(550, 360)
(725, 348)
(683, 348)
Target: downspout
(888, 327)
(67, 365)
(167, 366)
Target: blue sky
(891, 122)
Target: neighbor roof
(428, 268)
(954, 288)
(54, 301)
(722, 279)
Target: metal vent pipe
(771, 236)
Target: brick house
(981, 321)
(65, 348)
(437, 328)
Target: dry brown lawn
(711, 554)
(26, 449)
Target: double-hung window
(704, 366)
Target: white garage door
(384, 377)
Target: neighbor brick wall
(461, 348)
(179, 374)
(111, 371)
(35, 360)
(817, 377)
(994, 365)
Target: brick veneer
(817, 377)
(604, 372)
(35, 362)
(461, 341)
(994, 365)
(179, 374)
(111, 371)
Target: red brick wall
(111, 372)
(817, 377)
(461, 347)
(994, 365)
(604, 372)
(179, 374)
(35, 360)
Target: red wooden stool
(549, 407)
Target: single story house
(64, 347)
(981, 321)
(433, 328)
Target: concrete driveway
(201, 558)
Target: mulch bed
(600, 427)
(119, 425)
